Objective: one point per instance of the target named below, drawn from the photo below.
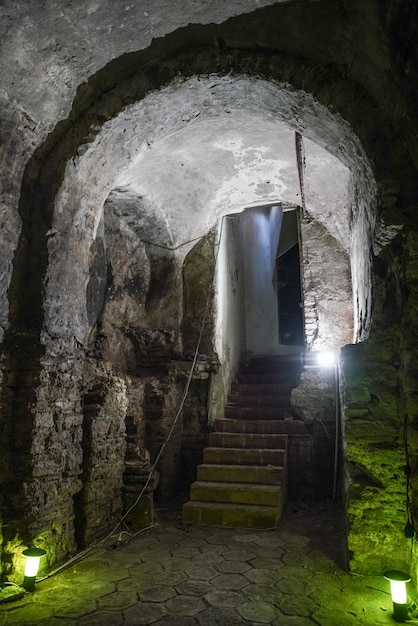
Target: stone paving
(207, 576)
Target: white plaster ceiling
(214, 166)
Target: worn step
(275, 362)
(271, 475)
(276, 378)
(247, 440)
(258, 400)
(226, 425)
(243, 456)
(232, 515)
(238, 493)
(258, 412)
(261, 389)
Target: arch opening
(140, 181)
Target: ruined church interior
(209, 312)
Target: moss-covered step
(258, 412)
(241, 493)
(270, 475)
(248, 440)
(244, 456)
(288, 427)
(234, 515)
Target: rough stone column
(376, 376)
(98, 506)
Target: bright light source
(326, 358)
(33, 557)
(398, 582)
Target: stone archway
(79, 167)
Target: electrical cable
(167, 439)
(409, 528)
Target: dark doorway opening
(288, 282)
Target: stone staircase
(242, 481)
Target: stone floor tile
(229, 581)
(194, 588)
(319, 561)
(212, 548)
(251, 538)
(168, 537)
(135, 584)
(262, 576)
(171, 578)
(75, 607)
(239, 555)
(223, 598)
(146, 569)
(57, 621)
(191, 542)
(258, 612)
(270, 542)
(173, 620)
(157, 593)
(185, 552)
(264, 551)
(295, 586)
(201, 572)
(117, 600)
(30, 614)
(94, 586)
(158, 554)
(303, 606)
(176, 564)
(268, 593)
(207, 559)
(287, 571)
(124, 559)
(233, 567)
(328, 616)
(292, 620)
(220, 539)
(296, 558)
(262, 562)
(102, 618)
(185, 605)
(144, 613)
(216, 616)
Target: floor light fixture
(33, 557)
(398, 582)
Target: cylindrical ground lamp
(398, 582)
(33, 557)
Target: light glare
(398, 591)
(326, 358)
(32, 565)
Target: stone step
(243, 456)
(261, 389)
(232, 515)
(289, 427)
(286, 362)
(236, 493)
(271, 475)
(257, 412)
(247, 440)
(258, 400)
(277, 378)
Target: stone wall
(98, 505)
(314, 474)
(327, 290)
(380, 408)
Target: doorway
(288, 284)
